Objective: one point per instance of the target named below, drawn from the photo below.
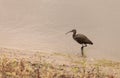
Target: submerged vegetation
(63, 66)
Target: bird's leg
(82, 49)
(85, 45)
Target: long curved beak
(68, 32)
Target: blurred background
(42, 24)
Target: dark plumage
(80, 38)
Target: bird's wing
(82, 38)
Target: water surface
(42, 24)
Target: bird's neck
(74, 33)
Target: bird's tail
(91, 43)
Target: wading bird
(81, 39)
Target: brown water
(42, 24)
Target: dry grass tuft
(82, 68)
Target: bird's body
(81, 39)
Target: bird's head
(73, 30)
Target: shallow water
(42, 24)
